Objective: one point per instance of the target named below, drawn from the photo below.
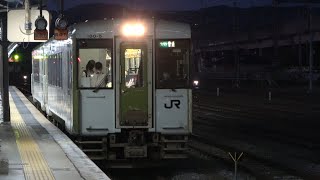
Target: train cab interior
(172, 64)
(91, 54)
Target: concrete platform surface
(36, 149)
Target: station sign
(21, 31)
(40, 34)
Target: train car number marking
(95, 35)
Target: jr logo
(173, 102)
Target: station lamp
(61, 22)
(16, 57)
(41, 23)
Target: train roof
(112, 27)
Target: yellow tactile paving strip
(35, 166)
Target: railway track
(278, 120)
(277, 95)
(258, 168)
(248, 124)
(292, 104)
(230, 129)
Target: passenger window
(133, 69)
(94, 64)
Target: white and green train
(138, 105)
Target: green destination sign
(167, 44)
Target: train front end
(139, 101)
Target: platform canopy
(16, 25)
(17, 17)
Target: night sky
(162, 4)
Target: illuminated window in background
(133, 68)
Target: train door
(95, 85)
(133, 93)
(133, 60)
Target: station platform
(34, 149)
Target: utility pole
(300, 33)
(310, 49)
(204, 13)
(275, 60)
(235, 43)
(4, 67)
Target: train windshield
(95, 64)
(172, 58)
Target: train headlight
(25, 77)
(136, 29)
